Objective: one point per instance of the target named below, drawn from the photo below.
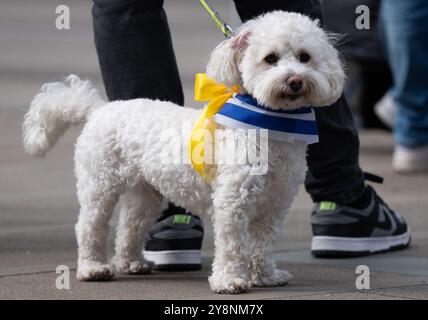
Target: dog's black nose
(295, 83)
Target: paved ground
(38, 205)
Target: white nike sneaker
(410, 160)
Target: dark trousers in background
(136, 57)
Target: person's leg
(376, 79)
(405, 30)
(248, 9)
(334, 173)
(137, 60)
(347, 218)
(135, 50)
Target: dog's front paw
(228, 285)
(276, 279)
(94, 271)
(132, 266)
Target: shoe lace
(376, 179)
(372, 177)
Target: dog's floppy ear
(336, 79)
(223, 65)
(335, 74)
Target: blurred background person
(387, 72)
(368, 72)
(405, 32)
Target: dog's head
(284, 60)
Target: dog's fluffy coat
(121, 151)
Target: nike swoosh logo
(386, 222)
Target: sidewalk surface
(38, 205)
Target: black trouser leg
(135, 50)
(334, 172)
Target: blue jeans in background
(405, 33)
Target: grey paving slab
(406, 292)
(308, 281)
(392, 262)
(346, 296)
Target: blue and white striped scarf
(243, 112)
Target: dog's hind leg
(92, 232)
(141, 207)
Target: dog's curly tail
(54, 109)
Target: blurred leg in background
(405, 26)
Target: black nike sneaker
(175, 241)
(345, 231)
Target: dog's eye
(304, 57)
(271, 58)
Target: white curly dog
(121, 152)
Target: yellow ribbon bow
(217, 94)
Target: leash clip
(221, 24)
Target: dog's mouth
(290, 96)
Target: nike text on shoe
(175, 243)
(341, 231)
